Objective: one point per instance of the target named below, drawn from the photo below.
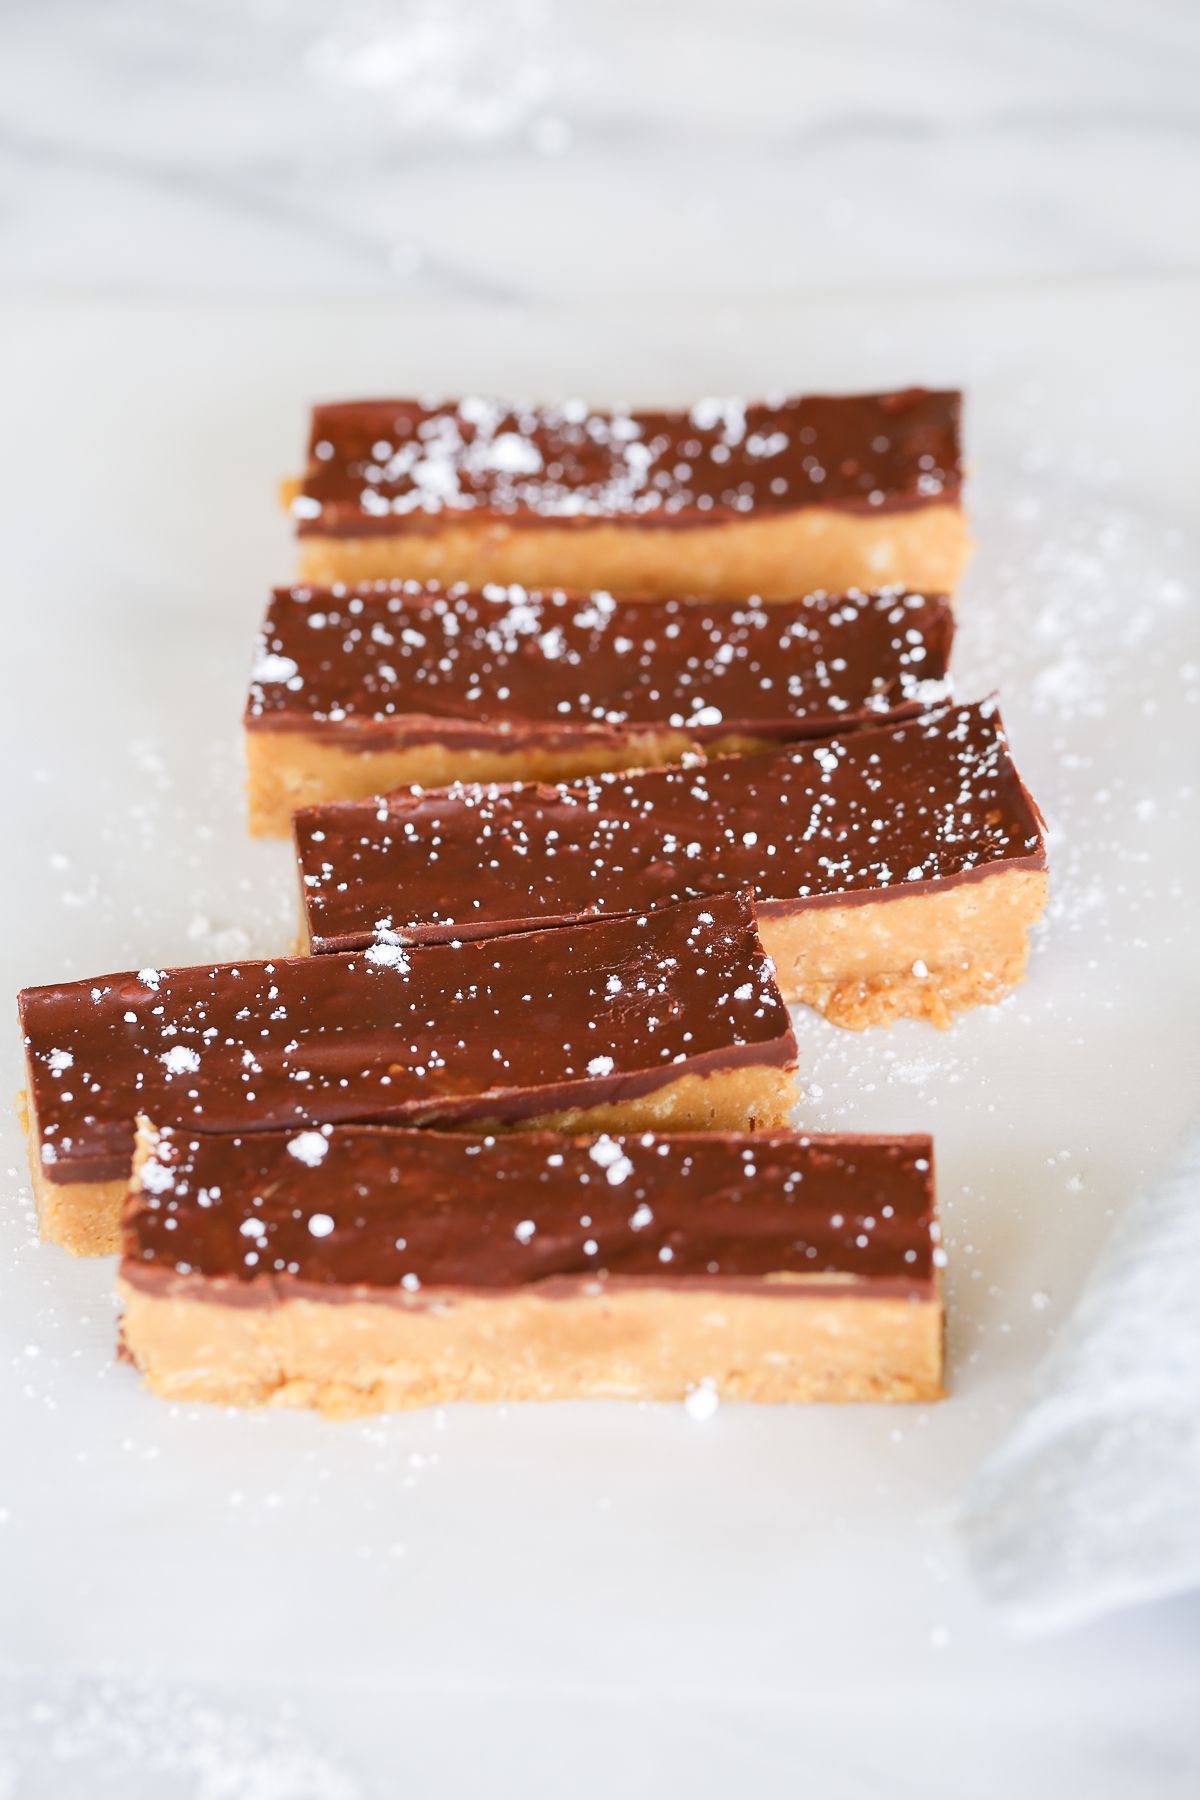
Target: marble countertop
(508, 150)
(213, 209)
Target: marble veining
(506, 150)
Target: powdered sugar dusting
(392, 459)
(403, 654)
(703, 1401)
(309, 1147)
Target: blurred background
(504, 149)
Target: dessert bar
(671, 1019)
(897, 870)
(358, 1269)
(728, 499)
(356, 690)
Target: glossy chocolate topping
(504, 1030)
(378, 466)
(363, 1213)
(895, 810)
(400, 662)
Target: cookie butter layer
(897, 870)
(731, 498)
(358, 1269)
(672, 1018)
(361, 689)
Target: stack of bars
(600, 738)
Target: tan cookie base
(753, 1098)
(862, 965)
(290, 769)
(85, 1216)
(631, 1343)
(925, 548)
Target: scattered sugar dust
(1079, 613)
(86, 1739)
(180, 824)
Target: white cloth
(1093, 1502)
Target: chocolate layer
(379, 466)
(898, 810)
(359, 1212)
(510, 1029)
(402, 662)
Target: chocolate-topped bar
(356, 690)
(672, 1018)
(897, 870)
(729, 498)
(357, 1269)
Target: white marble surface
(212, 212)
(588, 1600)
(506, 149)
